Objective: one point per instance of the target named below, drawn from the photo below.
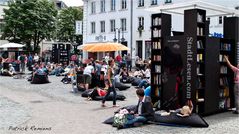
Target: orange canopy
(103, 47)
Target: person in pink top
(236, 84)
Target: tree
(66, 24)
(29, 21)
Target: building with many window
(129, 22)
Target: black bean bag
(136, 81)
(109, 121)
(95, 96)
(193, 120)
(121, 86)
(40, 79)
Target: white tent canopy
(11, 45)
(212, 9)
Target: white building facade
(106, 20)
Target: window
(153, 2)
(112, 5)
(168, 1)
(102, 26)
(147, 49)
(123, 24)
(141, 3)
(112, 25)
(220, 20)
(92, 27)
(141, 23)
(93, 7)
(123, 4)
(102, 6)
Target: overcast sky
(73, 2)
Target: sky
(73, 2)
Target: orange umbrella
(103, 47)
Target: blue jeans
(138, 119)
(143, 83)
(111, 89)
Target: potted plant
(140, 29)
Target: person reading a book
(236, 83)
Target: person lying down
(185, 111)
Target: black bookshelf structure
(161, 27)
(61, 53)
(193, 65)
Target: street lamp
(118, 39)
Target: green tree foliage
(29, 21)
(66, 24)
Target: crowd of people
(92, 73)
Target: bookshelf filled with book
(226, 75)
(160, 27)
(195, 31)
(191, 66)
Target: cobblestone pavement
(24, 104)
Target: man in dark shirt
(144, 110)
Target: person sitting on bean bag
(9, 72)
(124, 75)
(144, 111)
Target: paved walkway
(52, 107)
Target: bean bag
(109, 121)
(121, 86)
(95, 96)
(110, 98)
(136, 81)
(193, 120)
(87, 93)
(40, 79)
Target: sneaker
(103, 105)
(235, 112)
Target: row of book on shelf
(224, 92)
(200, 31)
(224, 103)
(200, 82)
(223, 69)
(157, 45)
(199, 71)
(157, 68)
(199, 57)
(223, 81)
(199, 17)
(157, 79)
(225, 46)
(157, 57)
(200, 44)
(157, 21)
(156, 33)
(221, 58)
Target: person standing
(111, 83)
(36, 58)
(129, 62)
(89, 69)
(22, 62)
(236, 84)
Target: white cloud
(73, 2)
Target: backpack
(121, 118)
